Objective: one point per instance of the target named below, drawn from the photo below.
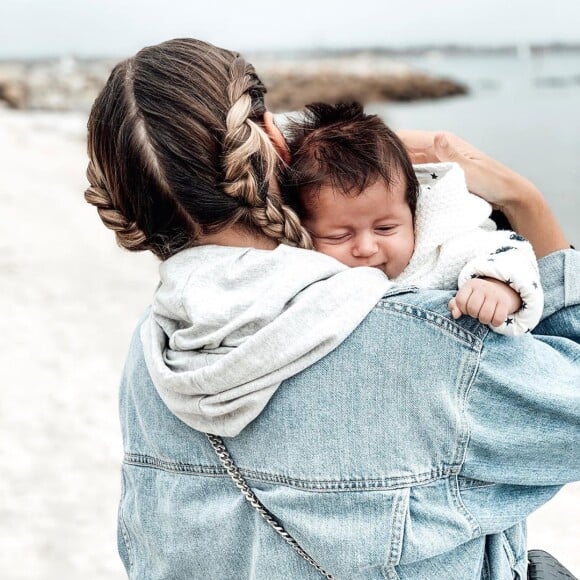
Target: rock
(13, 94)
(363, 77)
(291, 91)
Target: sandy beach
(71, 299)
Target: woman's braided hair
(177, 151)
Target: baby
(353, 185)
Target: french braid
(246, 147)
(124, 202)
(128, 233)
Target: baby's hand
(487, 299)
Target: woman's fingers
(419, 145)
(449, 147)
(485, 176)
(434, 146)
(420, 157)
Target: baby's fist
(487, 299)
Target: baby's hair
(177, 150)
(342, 147)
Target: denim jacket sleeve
(560, 275)
(520, 432)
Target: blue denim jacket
(415, 450)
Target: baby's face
(374, 228)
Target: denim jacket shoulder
(401, 454)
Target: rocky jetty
(289, 92)
(366, 78)
(71, 85)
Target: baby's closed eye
(332, 238)
(389, 228)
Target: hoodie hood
(228, 325)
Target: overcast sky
(32, 28)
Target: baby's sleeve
(512, 261)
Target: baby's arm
(502, 288)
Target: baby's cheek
(339, 252)
(324, 248)
(410, 246)
(327, 249)
(412, 238)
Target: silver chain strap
(241, 483)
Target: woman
(400, 444)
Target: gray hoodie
(228, 325)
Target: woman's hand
(485, 176)
(517, 197)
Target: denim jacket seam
(460, 506)
(329, 485)
(508, 549)
(398, 518)
(468, 378)
(473, 340)
(464, 439)
(486, 572)
(123, 526)
(515, 559)
(389, 573)
(467, 483)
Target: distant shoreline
(535, 49)
(293, 77)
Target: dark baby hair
(342, 147)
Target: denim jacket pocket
(369, 524)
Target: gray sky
(120, 27)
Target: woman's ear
(276, 137)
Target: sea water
(523, 109)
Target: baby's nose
(365, 245)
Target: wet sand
(70, 301)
